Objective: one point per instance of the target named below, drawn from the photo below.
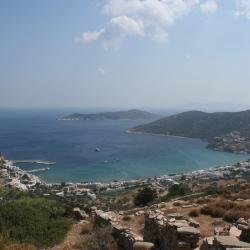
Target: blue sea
(38, 134)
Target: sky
(124, 53)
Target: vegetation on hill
(25, 220)
(196, 124)
(132, 114)
(145, 196)
(177, 190)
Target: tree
(145, 196)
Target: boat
(97, 149)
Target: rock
(234, 231)
(139, 213)
(245, 234)
(125, 237)
(188, 230)
(193, 223)
(229, 242)
(187, 206)
(170, 232)
(79, 214)
(143, 246)
(103, 219)
(207, 244)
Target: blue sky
(124, 53)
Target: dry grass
(230, 211)
(99, 239)
(87, 228)
(234, 214)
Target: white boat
(97, 149)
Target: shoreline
(34, 161)
(209, 147)
(29, 182)
(155, 134)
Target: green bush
(213, 190)
(145, 196)
(177, 190)
(36, 221)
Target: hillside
(132, 114)
(197, 124)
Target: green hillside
(132, 114)
(197, 124)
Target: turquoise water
(72, 144)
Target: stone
(125, 237)
(245, 234)
(229, 242)
(143, 246)
(79, 214)
(170, 232)
(234, 231)
(188, 230)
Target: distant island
(226, 131)
(132, 114)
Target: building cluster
(232, 142)
(12, 176)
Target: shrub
(35, 221)
(213, 190)
(177, 190)
(127, 218)
(194, 212)
(213, 210)
(145, 196)
(233, 215)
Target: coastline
(34, 161)
(210, 144)
(155, 134)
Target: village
(13, 176)
(232, 142)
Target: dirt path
(73, 238)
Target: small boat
(97, 149)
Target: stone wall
(244, 226)
(172, 232)
(124, 236)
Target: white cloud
(243, 8)
(210, 7)
(101, 71)
(114, 31)
(158, 11)
(139, 17)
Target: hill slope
(197, 124)
(132, 114)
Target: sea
(38, 134)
